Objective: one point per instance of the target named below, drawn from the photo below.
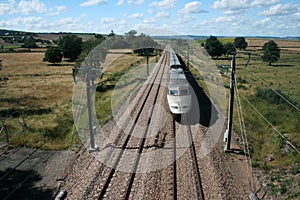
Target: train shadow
(202, 109)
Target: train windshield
(173, 92)
(180, 92)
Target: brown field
(292, 45)
(51, 36)
(35, 82)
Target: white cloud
(281, 9)
(163, 14)
(150, 20)
(136, 16)
(224, 19)
(192, 8)
(164, 4)
(33, 23)
(57, 10)
(135, 2)
(150, 11)
(107, 20)
(261, 3)
(230, 7)
(122, 22)
(120, 3)
(29, 7)
(33, 6)
(263, 22)
(21, 21)
(7, 7)
(184, 20)
(93, 3)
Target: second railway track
(131, 149)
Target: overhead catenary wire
(245, 140)
(268, 85)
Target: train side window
(184, 92)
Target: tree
(143, 45)
(271, 52)
(214, 47)
(53, 55)
(229, 48)
(71, 46)
(88, 46)
(240, 43)
(29, 43)
(111, 34)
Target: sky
(279, 18)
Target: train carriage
(179, 97)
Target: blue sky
(203, 17)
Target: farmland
(36, 101)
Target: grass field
(36, 101)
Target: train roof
(177, 74)
(177, 78)
(174, 61)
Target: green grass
(11, 47)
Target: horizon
(257, 18)
(188, 35)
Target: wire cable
(245, 140)
(262, 116)
(284, 98)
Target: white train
(179, 97)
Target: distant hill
(4, 32)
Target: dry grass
(40, 97)
(34, 82)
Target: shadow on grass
(60, 65)
(280, 65)
(15, 112)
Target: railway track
(197, 177)
(127, 176)
(131, 143)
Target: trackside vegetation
(270, 99)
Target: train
(179, 96)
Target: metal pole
(6, 133)
(90, 114)
(188, 56)
(230, 113)
(147, 63)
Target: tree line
(72, 47)
(215, 48)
